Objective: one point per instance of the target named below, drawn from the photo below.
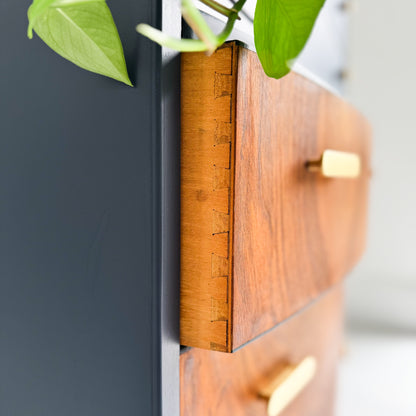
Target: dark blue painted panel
(79, 226)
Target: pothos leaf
(82, 31)
(281, 30)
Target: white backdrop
(382, 59)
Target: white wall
(382, 62)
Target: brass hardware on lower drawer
(284, 388)
(335, 164)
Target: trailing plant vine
(84, 32)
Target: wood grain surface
(217, 384)
(296, 233)
(261, 237)
(207, 175)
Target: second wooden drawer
(217, 384)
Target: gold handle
(284, 388)
(335, 164)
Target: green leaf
(281, 30)
(82, 31)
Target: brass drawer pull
(287, 385)
(335, 164)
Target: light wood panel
(207, 169)
(261, 236)
(220, 384)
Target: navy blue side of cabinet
(81, 225)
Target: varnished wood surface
(296, 233)
(261, 236)
(207, 174)
(218, 384)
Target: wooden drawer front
(261, 235)
(219, 384)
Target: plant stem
(220, 8)
(198, 24)
(181, 45)
(208, 40)
(222, 37)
